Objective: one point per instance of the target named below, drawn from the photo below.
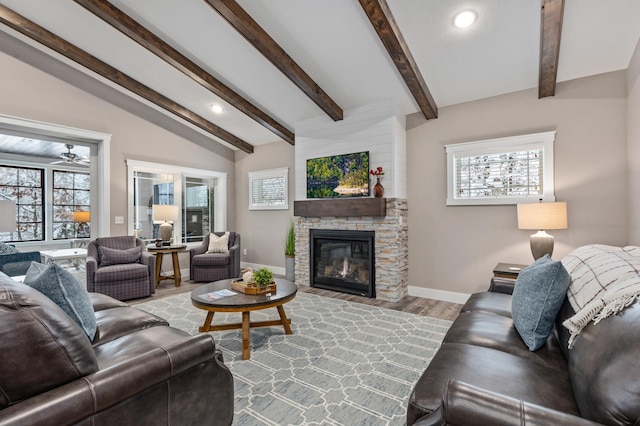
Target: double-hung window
(25, 186)
(268, 189)
(509, 170)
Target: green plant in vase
(263, 277)
(289, 252)
(290, 241)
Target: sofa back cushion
(42, 348)
(604, 366)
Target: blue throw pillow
(65, 291)
(537, 297)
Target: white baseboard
(446, 296)
(255, 266)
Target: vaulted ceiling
(273, 63)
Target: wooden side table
(159, 252)
(508, 270)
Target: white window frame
(532, 141)
(100, 166)
(280, 173)
(179, 174)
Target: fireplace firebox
(343, 261)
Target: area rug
(345, 363)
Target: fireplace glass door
(343, 261)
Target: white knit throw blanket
(604, 281)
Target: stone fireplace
(388, 227)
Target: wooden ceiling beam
(385, 25)
(239, 19)
(141, 35)
(30, 29)
(551, 16)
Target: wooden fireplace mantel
(341, 207)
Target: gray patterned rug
(345, 363)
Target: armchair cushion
(122, 272)
(218, 244)
(65, 291)
(213, 259)
(111, 256)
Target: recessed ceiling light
(465, 19)
(217, 109)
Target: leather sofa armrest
(462, 402)
(92, 394)
(91, 265)
(502, 285)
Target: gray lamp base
(541, 244)
(165, 231)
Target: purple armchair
(215, 266)
(120, 267)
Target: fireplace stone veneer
(391, 249)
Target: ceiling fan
(72, 158)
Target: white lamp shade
(542, 216)
(7, 216)
(165, 213)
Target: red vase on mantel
(378, 189)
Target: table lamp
(81, 218)
(542, 216)
(165, 214)
(7, 216)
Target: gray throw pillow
(537, 297)
(7, 248)
(110, 256)
(65, 291)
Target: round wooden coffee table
(245, 303)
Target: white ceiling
(333, 41)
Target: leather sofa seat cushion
(113, 273)
(211, 259)
(101, 302)
(495, 303)
(137, 343)
(603, 363)
(118, 321)
(497, 332)
(495, 371)
(35, 329)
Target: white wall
(376, 128)
(454, 249)
(633, 142)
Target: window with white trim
(507, 170)
(269, 189)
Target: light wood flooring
(415, 305)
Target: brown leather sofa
(483, 373)
(138, 370)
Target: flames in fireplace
(348, 269)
